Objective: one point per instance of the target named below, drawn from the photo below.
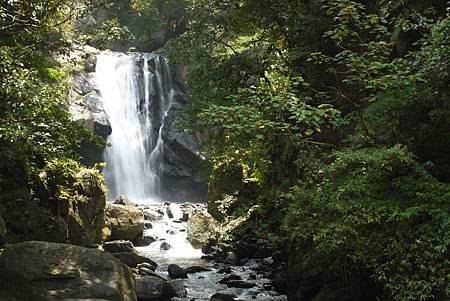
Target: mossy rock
(76, 195)
(68, 205)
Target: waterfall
(137, 93)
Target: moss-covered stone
(67, 205)
(77, 196)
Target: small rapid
(167, 229)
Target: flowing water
(169, 231)
(137, 93)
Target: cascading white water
(137, 92)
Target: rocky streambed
(149, 255)
(218, 275)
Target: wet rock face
(52, 271)
(85, 104)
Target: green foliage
(35, 126)
(338, 110)
(107, 33)
(379, 208)
(143, 24)
(62, 179)
(244, 129)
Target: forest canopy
(332, 117)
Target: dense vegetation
(332, 116)
(35, 126)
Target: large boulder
(151, 288)
(52, 271)
(68, 205)
(176, 288)
(176, 272)
(124, 222)
(86, 212)
(201, 227)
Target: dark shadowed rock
(278, 256)
(222, 297)
(169, 212)
(52, 271)
(230, 278)
(184, 217)
(148, 225)
(144, 241)
(196, 269)
(240, 284)
(175, 271)
(151, 288)
(225, 270)
(176, 288)
(232, 258)
(2, 231)
(165, 246)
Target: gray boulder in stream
(151, 288)
(52, 271)
(124, 222)
(176, 271)
(125, 252)
(201, 227)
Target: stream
(137, 92)
(169, 229)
